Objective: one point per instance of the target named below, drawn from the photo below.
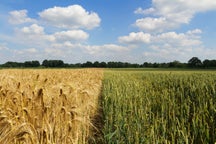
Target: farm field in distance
(107, 106)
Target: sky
(134, 31)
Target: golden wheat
(48, 106)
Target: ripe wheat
(48, 106)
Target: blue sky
(107, 30)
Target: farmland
(107, 106)
(48, 106)
(159, 107)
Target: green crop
(159, 107)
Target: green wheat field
(159, 107)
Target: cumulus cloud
(33, 29)
(90, 49)
(159, 23)
(99, 49)
(135, 38)
(150, 24)
(195, 31)
(176, 46)
(182, 40)
(166, 46)
(20, 17)
(74, 35)
(165, 7)
(171, 14)
(190, 38)
(65, 39)
(60, 44)
(35, 34)
(144, 11)
(71, 17)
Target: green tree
(194, 62)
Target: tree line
(194, 62)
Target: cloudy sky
(107, 30)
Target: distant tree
(87, 64)
(175, 64)
(53, 63)
(147, 65)
(103, 65)
(45, 63)
(96, 64)
(11, 64)
(194, 62)
(164, 65)
(135, 65)
(111, 64)
(213, 63)
(59, 63)
(156, 65)
(35, 63)
(209, 63)
(78, 65)
(206, 63)
(31, 64)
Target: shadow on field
(97, 136)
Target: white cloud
(166, 46)
(135, 38)
(150, 24)
(71, 17)
(167, 6)
(3, 47)
(90, 49)
(20, 17)
(65, 45)
(68, 50)
(67, 41)
(195, 31)
(182, 40)
(28, 51)
(171, 39)
(160, 20)
(170, 46)
(171, 14)
(71, 35)
(35, 35)
(145, 12)
(54, 51)
(31, 50)
(33, 29)
(99, 49)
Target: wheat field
(159, 107)
(52, 106)
(68, 106)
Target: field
(59, 106)
(48, 106)
(159, 107)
